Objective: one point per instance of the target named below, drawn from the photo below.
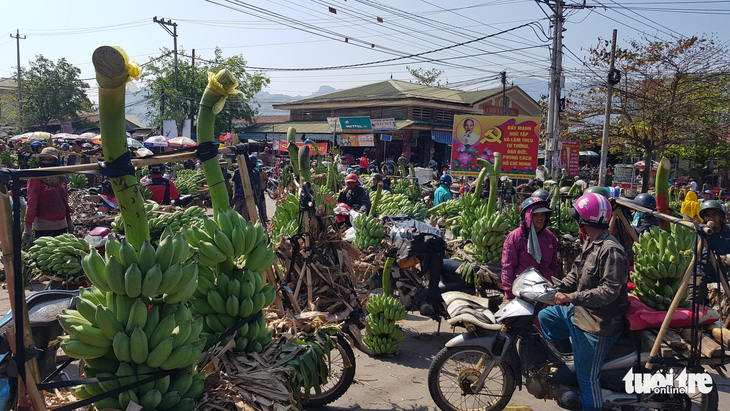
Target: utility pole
(164, 24)
(614, 77)
(553, 121)
(505, 104)
(193, 63)
(17, 38)
(552, 129)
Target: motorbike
(272, 184)
(481, 368)
(408, 278)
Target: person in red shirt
(47, 212)
(163, 190)
(363, 164)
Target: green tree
(168, 98)
(672, 94)
(52, 92)
(426, 77)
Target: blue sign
(361, 124)
(386, 137)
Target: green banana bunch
(189, 181)
(488, 235)
(309, 368)
(568, 225)
(370, 232)
(661, 259)
(224, 299)
(60, 256)
(394, 204)
(383, 334)
(285, 220)
(231, 239)
(469, 273)
(469, 215)
(77, 181)
(449, 208)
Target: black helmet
(378, 176)
(646, 200)
(598, 190)
(537, 203)
(541, 194)
(711, 204)
(157, 168)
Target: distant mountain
(267, 100)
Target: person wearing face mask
(48, 212)
(531, 244)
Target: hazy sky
(304, 34)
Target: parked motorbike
(408, 277)
(481, 368)
(272, 184)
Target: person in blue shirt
(442, 193)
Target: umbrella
(134, 143)
(96, 140)
(640, 165)
(87, 136)
(182, 142)
(156, 141)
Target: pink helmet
(592, 209)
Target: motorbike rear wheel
(452, 372)
(272, 190)
(341, 374)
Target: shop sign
(357, 124)
(356, 140)
(386, 137)
(569, 156)
(383, 124)
(499, 111)
(515, 138)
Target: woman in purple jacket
(530, 245)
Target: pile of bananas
(189, 181)
(383, 334)
(229, 239)
(512, 215)
(158, 221)
(369, 232)
(223, 300)
(472, 210)
(285, 219)
(77, 181)
(119, 336)
(488, 234)
(394, 204)
(60, 256)
(660, 261)
(449, 208)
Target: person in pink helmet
(592, 300)
(531, 244)
(354, 195)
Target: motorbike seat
(450, 280)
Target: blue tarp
(443, 137)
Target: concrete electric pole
(614, 77)
(173, 33)
(17, 38)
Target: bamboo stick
(628, 227)
(689, 224)
(253, 214)
(20, 320)
(679, 297)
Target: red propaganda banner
(277, 145)
(569, 156)
(516, 138)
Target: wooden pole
(675, 303)
(253, 214)
(27, 392)
(627, 226)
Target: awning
(443, 137)
(589, 154)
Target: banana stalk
(493, 182)
(113, 71)
(376, 200)
(662, 190)
(291, 138)
(214, 97)
(487, 168)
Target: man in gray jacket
(590, 304)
